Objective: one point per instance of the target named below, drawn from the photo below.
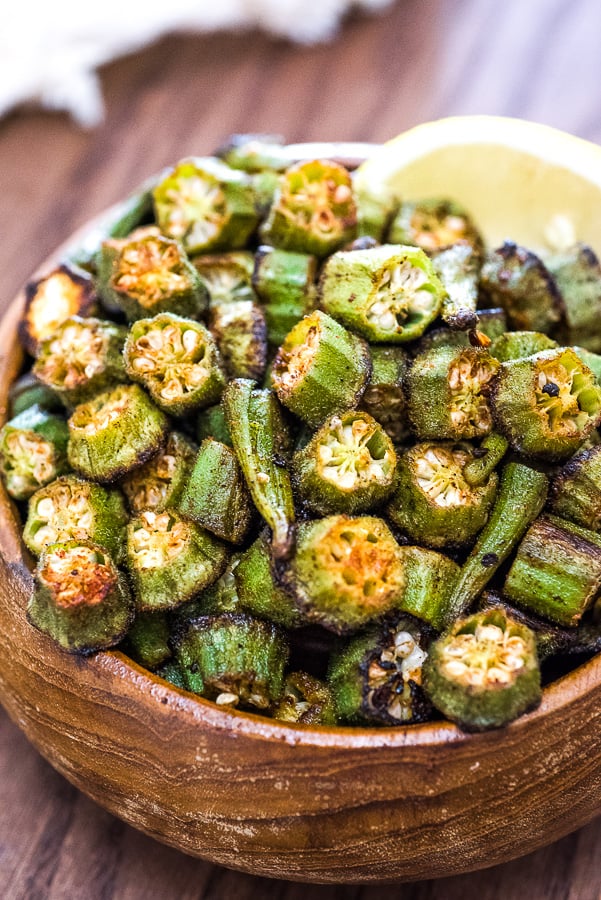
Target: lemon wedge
(534, 184)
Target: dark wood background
(421, 60)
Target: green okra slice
(448, 393)
(115, 432)
(258, 590)
(546, 405)
(492, 322)
(377, 677)
(104, 260)
(212, 422)
(220, 597)
(177, 361)
(71, 508)
(486, 458)
(240, 330)
(557, 570)
(430, 576)
(147, 640)
(233, 659)
(346, 571)
(484, 671)
(313, 210)
(321, 369)
(171, 559)
(306, 701)
(171, 672)
(255, 153)
(63, 293)
(517, 280)
(388, 294)
(384, 397)
(206, 205)
(433, 503)
(261, 442)
(285, 283)
(227, 276)
(520, 498)
(375, 211)
(434, 224)
(576, 490)
(33, 451)
(80, 598)
(577, 273)
(592, 360)
(518, 344)
(28, 391)
(348, 466)
(160, 482)
(458, 268)
(82, 358)
(215, 495)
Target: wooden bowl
(309, 804)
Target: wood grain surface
(421, 60)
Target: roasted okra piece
(115, 432)
(430, 576)
(240, 330)
(258, 590)
(285, 283)
(235, 660)
(212, 422)
(160, 482)
(321, 369)
(147, 640)
(227, 276)
(546, 405)
(448, 393)
(592, 360)
(387, 294)
(576, 490)
(206, 205)
(73, 509)
(518, 344)
(375, 212)
(33, 451)
(486, 458)
(577, 273)
(492, 322)
(458, 268)
(384, 397)
(306, 701)
(484, 671)
(28, 391)
(80, 598)
(177, 361)
(171, 559)
(517, 280)
(82, 358)
(255, 153)
(50, 300)
(377, 677)
(220, 597)
(313, 210)
(434, 225)
(348, 466)
(171, 672)
(433, 503)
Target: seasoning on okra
(285, 282)
(518, 344)
(33, 451)
(212, 422)
(160, 482)
(384, 397)
(430, 576)
(147, 640)
(240, 331)
(458, 268)
(306, 700)
(576, 489)
(577, 273)
(63, 293)
(258, 589)
(434, 225)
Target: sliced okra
(484, 671)
(219, 597)
(313, 210)
(212, 422)
(285, 283)
(306, 701)
(177, 361)
(171, 559)
(458, 268)
(33, 451)
(171, 672)
(492, 322)
(486, 458)
(255, 153)
(375, 211)
(233, 659)
(576, 490)
(258, 589)
(73, 509)
(384, 397)
(265, 186)
(433, 503)
(206, 205)
(577, 273)
(377, 677)
(147, 640)
(321, 369)
(387, 294)
(518, 344)
(28, 391)
(448, 393)
(240, 330)
(80, 598)
(82, 358)
(115, 432)
(430, 576)
(433, 225)
(159, 483)
(592, 360)
(348, 466)
(546, 405)
(227, 276)
(65, 292)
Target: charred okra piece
(258, 590)
(430, 576)
(73, 509)
(33, 451)
(518, 344)
(321, 369)
(28, 391)
(434, 504)
(434, 225)
(215, 495)
(348, 466)
(577, 273)
(261, 443)
(220, 597)
(557, 570)
(448, 391)
(520, 498)
(285, 283)
(375, 212)
(486, 459)
(82, 358)
(384, 397)
(177, 362)
(115, 432)
(517, 280)
(240, 330)
(377, 678)
(346, 571)
(63, 293)
(313, 210)
(212, 422)
(170, 559)
(458, 268)
(147, 640)
(206, 205)
(546, 405)
(171, 672)
(484, 672)
(306, 701)
(255, 153)
(234, 660)
(160, 482)
(387, 294)
(80, 598)
(576, 491)
(227, 276)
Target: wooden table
(422, 60)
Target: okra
(63, 293)
(240, 330)
(80, 598)
(384, 397)
(386, 294)
(159, 483)
(285, 283)
(220, 597)
(212, 422)
(577, 273)
(486, 458)
(33, 451)
(255, 153)
(576, 490)
(433, 225)
(592, 360)
(484, 671)
(147, 640)
(227, 276)
(321, 369)
(306, 701)
(458, 268)
(430, 576)
(258, 589)
(492, 323)
(518, 344)
(28, 391)
(375, 211)
(104, 260)
(171, 672)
